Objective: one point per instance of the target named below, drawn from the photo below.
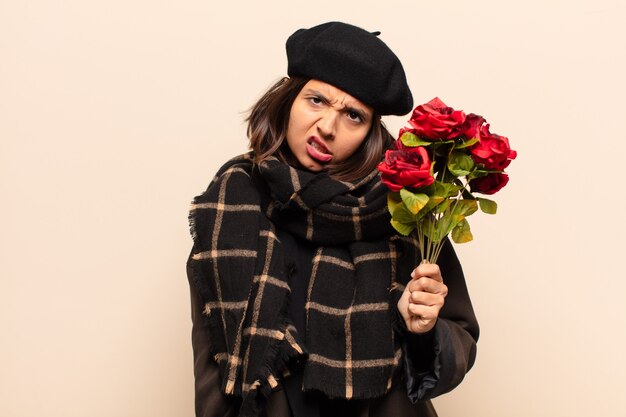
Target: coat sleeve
(436, 362)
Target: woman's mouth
(318, 151)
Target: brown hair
(267, 130)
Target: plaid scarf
(239, 269)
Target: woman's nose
(327, 124)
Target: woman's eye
(354, 116)
(315, 100)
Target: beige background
(114, 114)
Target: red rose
(472, 125)
(493, 151)
(406, 167)
(489, 184)
(434, 120)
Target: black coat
(431, 364)
(452, 343)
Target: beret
(354, 60)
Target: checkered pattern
(239, 269)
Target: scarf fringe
(277, 359)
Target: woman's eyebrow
(318, 94)
(361, 112)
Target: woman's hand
(423, 298)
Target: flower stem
(420, 240)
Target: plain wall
(114, 114)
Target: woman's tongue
(317, 152)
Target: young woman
(305, 301)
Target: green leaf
(437, 229)
(445, 189)
(401, 218)
(443, 206)
(460, 164)
(454, 213)
(487, 206)
(412, 140)
(462, 233)
(413, 202)
(403, 228)
(433, 202)
(467, 143)
(464, 208)
(393, 200)
(477, 173)
(429, 227)
(442, 145)
(403, 215)
(447, 222)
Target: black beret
(354, 60)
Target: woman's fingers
(423, 298)
(427, 270)
(426, 313)
(426, 299)
(428, 284)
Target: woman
(305, 301)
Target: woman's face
(326, 125)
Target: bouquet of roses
(437, 165)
